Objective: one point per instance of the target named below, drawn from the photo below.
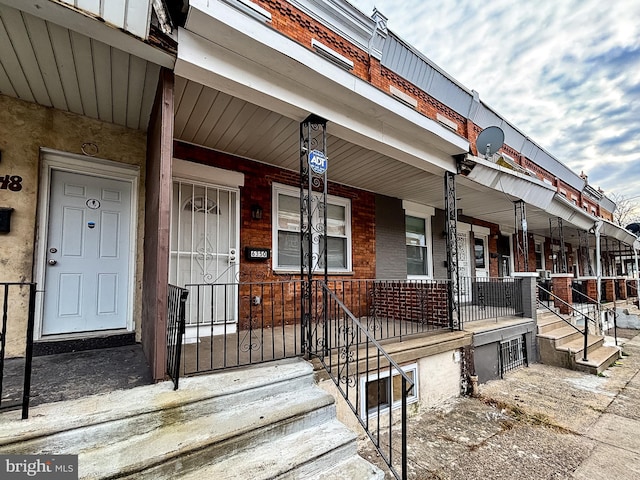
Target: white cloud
(566, 73)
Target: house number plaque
(11, 182)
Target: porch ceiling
(54, 66)
(219, 121)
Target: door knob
(52, 262)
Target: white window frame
(421, 211)
(394, 403)
(278, 189)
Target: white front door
(204, 251)
(480, 249)
(87, 254)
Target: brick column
(562, 288)
(592, 288)
(622, 282)
(609, 289)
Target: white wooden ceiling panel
(197, 124)
(232, 138)
(256, 142)
(188, 102)
(11, 64)
(209, 122)
(5, 83)
(242, 140)
(82, 56)
(66, 66)
(137, 73)
(38, 31)
(119, 85)
(102, 71)
(19, 37)
(227, 116)
(45, 63)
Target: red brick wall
(424, 303)
(562, 289)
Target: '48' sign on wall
(11, 182)
(318, 161)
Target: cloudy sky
(564, 72)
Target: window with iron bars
(513, 354)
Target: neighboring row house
(149, 143)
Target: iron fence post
(26, 391)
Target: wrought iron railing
(241, 323)
(574, 312)
(393, 309)
(484, 298)
(175, 331)
(596, 312)
(374, 386)
(15, 365)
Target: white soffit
(75, 21)
(249, 60)
(53, 66)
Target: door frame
(96, 167)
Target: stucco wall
(439, 378)
(24, 129)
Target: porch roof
(57, 57)
(228, 52)
(498, 187)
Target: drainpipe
(598, 227)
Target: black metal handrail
(364, 373)
(26, 355)
(602, 308)
(584, 332)
(175, 331)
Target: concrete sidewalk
(540, 422)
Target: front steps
(563, 346)
(262, 422)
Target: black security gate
(175, 331)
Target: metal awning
(500, 187)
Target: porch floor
(67, 376)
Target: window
(383, 390)
(286, 231)
(479, 253)
(539, 255)
(417, 234)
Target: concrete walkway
(540, 422)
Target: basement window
(381, 390)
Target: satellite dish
(489, 141)
(633, 228)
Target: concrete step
(577, 346)
(562, 335)
(305, 454)
(598, 360)
(550, 323)
(153, 432)
(117, 413)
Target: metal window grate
(513, 354)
